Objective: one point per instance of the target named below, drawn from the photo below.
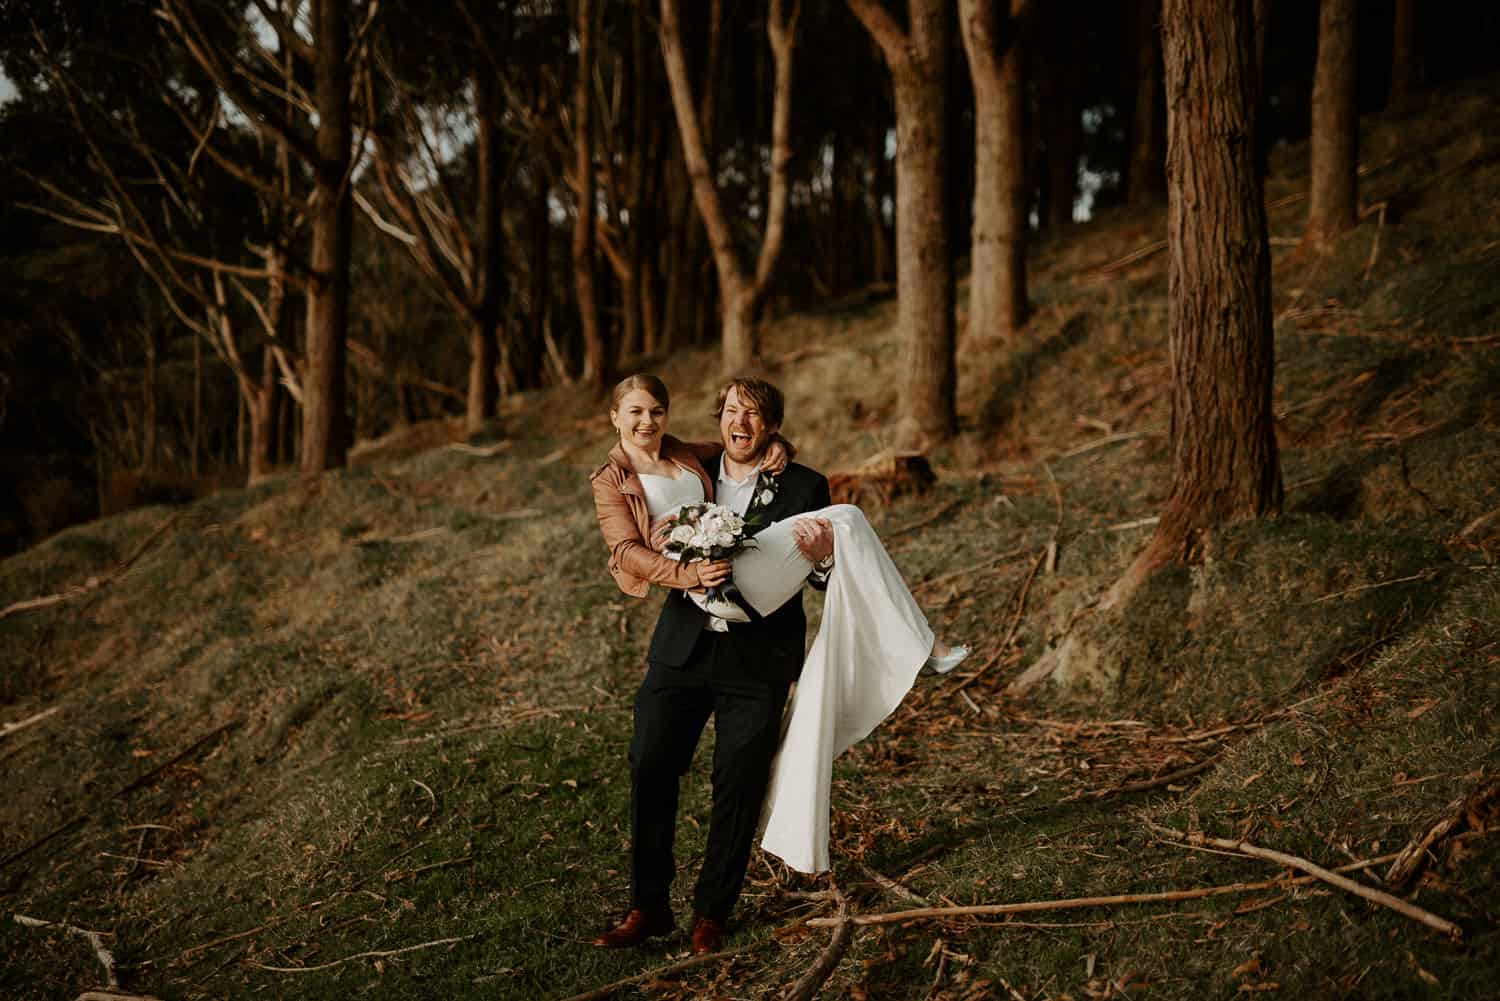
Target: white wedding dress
(871, 643)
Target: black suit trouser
(724, 679)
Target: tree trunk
(684, 297)
(539, 292)
(595, 363)
(1146, 171)
(882, 176)
(325, 442)
(1333, 203)
(741, 292)
(261, 403)
(286, 452)
(836, 218)
(651, 255)
(195, 446)
(484, 344)
(149, 383)
(1262, 14)
(632, 340)
(681, 221)
(1222, 438)
(1060, 114)
(997, 284)
(1405, 69)
(924, 263)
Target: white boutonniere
(766, 486)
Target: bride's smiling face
(641, 420)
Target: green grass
(427, 674)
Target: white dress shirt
(737, 495)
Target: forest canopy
(238, 239)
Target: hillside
(369, 731)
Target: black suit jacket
(775, 645)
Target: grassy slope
(428, 672)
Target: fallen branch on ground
(376, 954)
(599, 993)
(923, 522)
(1474, 526)
(1427, 574)
(806, 987)
(122, 791)
(96, 939)
(9, 728)
(892, 887)
(1334, 879)
(985, 565)
(1015, 622)
(1074, 903)
(1043, 556)
(1131, 258)
(1147, 784)
(1378, 207)
(93, 583)
(1109, 439)
(1418, 850)
(483, 451)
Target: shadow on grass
(1024, 365)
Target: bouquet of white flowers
(706, 531)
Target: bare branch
(384, 225)
(179, 15)
(233, 169)
(1332, 878)
(782, 32)
(695, 152)
(286, 31)
(358, 49)
(424, 251)
(883, 28)
(208, 131)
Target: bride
(872, 642)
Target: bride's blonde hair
(643, 381)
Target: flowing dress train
(872, 641)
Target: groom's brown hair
(766, 398)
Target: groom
(739, 673)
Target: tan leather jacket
(620, 503)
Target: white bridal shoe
(947, 662)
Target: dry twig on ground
(1453, 816)
(79, 818)
(892, 887)
(599, 993)
(376, 954)
(1332, 878)
(9, 728)
(96, 939)
(806, 987)
(94, 582)
(1074, 903)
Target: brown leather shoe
(708, 936)
(638, 926)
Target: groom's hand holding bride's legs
(814, 536)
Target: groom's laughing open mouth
(745, 431)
